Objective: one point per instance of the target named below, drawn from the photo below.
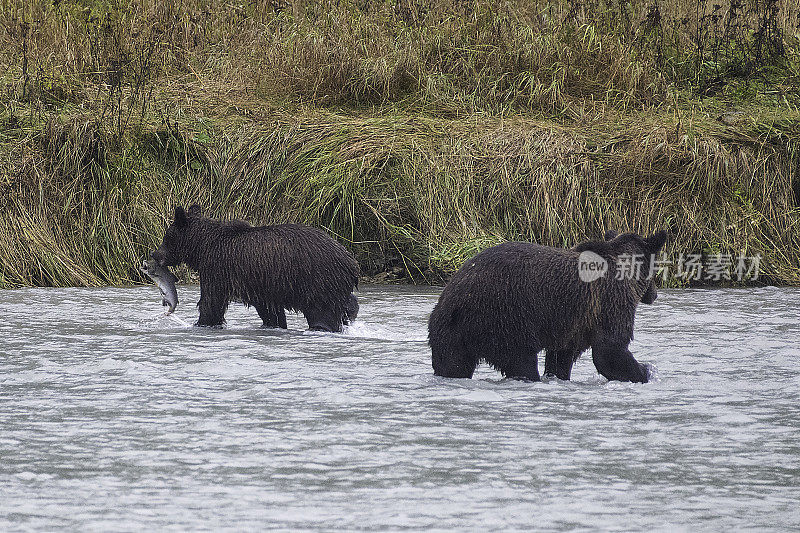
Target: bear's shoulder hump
(598, 247)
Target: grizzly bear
(272, 268)
(511, 301)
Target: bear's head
(647, 248)
(177, 242)
(630, 256)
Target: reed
(416, 132)
(423, 194)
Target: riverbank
(410, 195)
(414, 179)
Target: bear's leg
(212, 307)
(351, 311)
(616, 362)
(524, 366)
(559, 363)
(323, 320)
(447, 363)
(272, 318)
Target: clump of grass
(421, 194)
(496, 57)
(456, 58)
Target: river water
(113, 418)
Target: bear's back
(520, 287)
(505, 262)
(291, 264)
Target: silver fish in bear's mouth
(165, 280)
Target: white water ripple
(113, 417)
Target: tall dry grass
(445, 57)
(417, 132)
(421, 194)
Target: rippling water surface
(112, 418)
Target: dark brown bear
(511, 301)
(272, 268)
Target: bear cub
(272, 268)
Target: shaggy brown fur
(511, 301)
(272, 268)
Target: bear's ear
(180, 218)
(656, 241)
(195, 211)
(611, 234)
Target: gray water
(113, 418)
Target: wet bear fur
(272, 268)
(511, 301)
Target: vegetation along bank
(417, 132)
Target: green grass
(417, 133)
(420, 193)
